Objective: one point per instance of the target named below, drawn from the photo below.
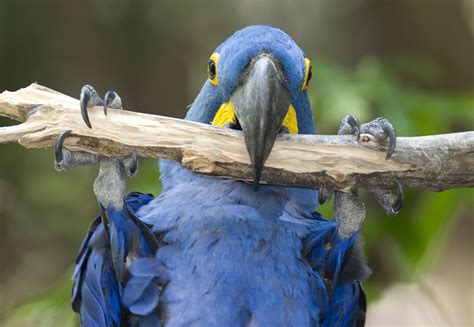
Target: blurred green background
(410, 61)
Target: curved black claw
(89, 98)
(324, 196)
(354, 123)
(392, 139)
(381, 129)
(397, 205)
(58, 148)
(349, 126)
(134, 165)
(321, 198)
(108, 99)
(84, 100)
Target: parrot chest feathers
(224, 251)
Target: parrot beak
(261, 102)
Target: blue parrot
(216, 252)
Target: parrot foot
(390, 202)
(90, 98)
(65, 159)
(349, 210)
(109, 186)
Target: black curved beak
(261, 102)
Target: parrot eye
(308, 74)
(212, 68)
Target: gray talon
(390, 131)
(390, 200)
(88, 98)
(321, 198)
(382, 130)
(349, 126)
(58, 148)
(112, 100)
(84, 102)
(109, 97)
(324, 195)
(397, 205)
(133, 168)
(354, 123)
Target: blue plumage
(228, 255)
(105, 291)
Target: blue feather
(147, 267)
(102, 268)
(137, 296)
(144, 296)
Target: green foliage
(372, 88)
(50, 309)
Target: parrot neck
(174, 175)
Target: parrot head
(257, 81)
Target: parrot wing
(116, 279)
(342, 265)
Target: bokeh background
(408, 60)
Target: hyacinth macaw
(215, 252)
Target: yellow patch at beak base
(226, 115)
(290, 121)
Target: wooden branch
(436, 162)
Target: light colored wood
(436, 162)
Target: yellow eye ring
(212, 68)
(307, 75)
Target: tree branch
(436, 162)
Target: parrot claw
(324, 195)
(390, 200)
(382, 130)
(348, 209)
(397, 205)
(112, 100)
(58, 148)
(90, 98)
(132, 166)
(349, 126)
